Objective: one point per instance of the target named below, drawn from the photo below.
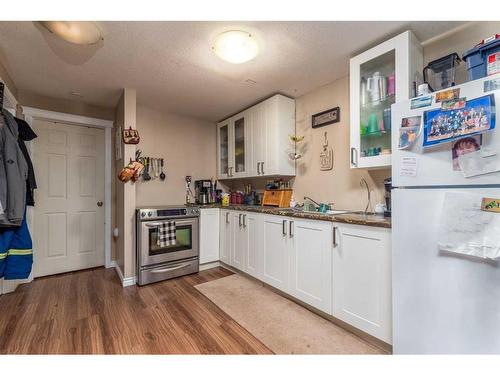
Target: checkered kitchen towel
(166, 234)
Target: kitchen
(206, 223)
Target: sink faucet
(365, 184)
(312, 200)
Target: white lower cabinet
(239, 242)
(310, 254)
(253, 235)
(225, 236)
(297, 259)
(245, 242)
(275, 252)
(362, 279)
(209, 235)
(341, 269)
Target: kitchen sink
(329, 212)
(336, 212)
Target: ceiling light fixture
(76, 32)
(236, 46)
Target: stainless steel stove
(157, 263)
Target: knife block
(277, 198)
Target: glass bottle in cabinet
(380, 77)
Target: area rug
(282, 325)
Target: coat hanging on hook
(2, 89)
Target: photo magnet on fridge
(453, 104)
(421, 102)
(464, 146)
(492, 84)
(447, 95)
(409, 131)
(477, 116)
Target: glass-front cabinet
(232, 146)
(223, 167)
(380, 77)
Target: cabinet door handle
(227, 217)
(239, 220)
(335, 237)
(244, 220)
(262, 167)
(354, 151)
(291, 229)
(258, 171)
(284, 227)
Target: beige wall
(459, 41)
(125, 116)
(188, 147)
(5, 77)
(74, 107)
(342, 184)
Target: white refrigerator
(443, 303)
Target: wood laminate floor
(88, 312)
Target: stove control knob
(143, 214)
(150, 213)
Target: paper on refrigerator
(465, 229)
(408, 166)
(479, 162)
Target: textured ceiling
(172, 67)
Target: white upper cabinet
(257, 140)
(240, 141)
(380, 77)
(223, 149)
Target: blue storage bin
(476, 58)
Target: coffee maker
(388, 188)
(203, 191)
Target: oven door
(186, 244)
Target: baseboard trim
(207, 266)
(125, 281)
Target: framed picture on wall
(327, 117)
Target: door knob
(99, 204)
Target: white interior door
(69, 209)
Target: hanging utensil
(146, 175)
(162, 175)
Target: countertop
(358, 218)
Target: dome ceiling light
(76, 32)
(236, 46)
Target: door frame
(31, 114)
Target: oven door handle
(161, 270)
(152, 225)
